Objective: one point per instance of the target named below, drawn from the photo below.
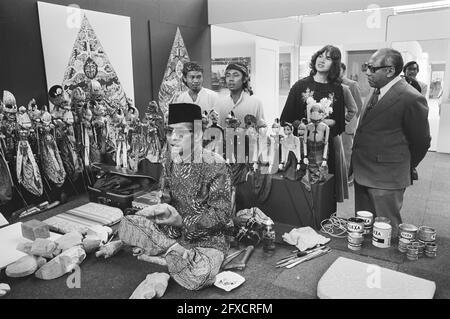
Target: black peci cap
(184, 113)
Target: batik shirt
(201, 193)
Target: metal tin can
(408, 231)
(380, 219)
(269, 238)
(368, 220)
(355, 225)
(403, 245)
(382, 233)
(355, 240)
(430, 250)
(420, 247)
(427, 234)
(412, 252)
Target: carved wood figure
(289, 143)
(121, 140)
(317, 143)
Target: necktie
(373, 101)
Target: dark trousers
(381, 203)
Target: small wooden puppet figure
(213, 137)
(99, 124)
(232, 123)
(266, 148)
(317, 143)
(276, 136)
(121, 140)
(289, 143)
(251, 140)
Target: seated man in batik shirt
(190, 229)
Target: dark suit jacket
(392, 138)
(350, 128)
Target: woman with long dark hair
(324, 85)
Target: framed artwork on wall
(83, 45)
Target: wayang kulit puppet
(52, 164)
(91, 153)
(27, 170)
(6, 186)
(65, 134)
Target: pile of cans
(417, 241)
(355, 233)
(364, 224)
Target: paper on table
(10, 237)
(3, 220)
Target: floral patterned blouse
(201, 193)
(295, 107)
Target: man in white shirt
(392, 137)
(196, 93)
(240, 100)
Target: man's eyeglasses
(367, 66)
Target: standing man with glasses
(393, 135)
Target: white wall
(266, 84)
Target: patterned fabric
(201, 193)
(71, 160)
(198, 270)
(139, 231)
(51, 161)
(315, 155)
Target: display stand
(290, 203)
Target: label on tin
(355, 227)
(380, 240)
(406, 235)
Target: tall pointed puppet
(172, 84)
(88, 61)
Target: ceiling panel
(225, 11)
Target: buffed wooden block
(33, 229)
(109, 249)
(90, 244)
(43, 247)
(154, 286)
(61, 264)
(25, 247)
(69, 240)
(25, 266)
(4, 289)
